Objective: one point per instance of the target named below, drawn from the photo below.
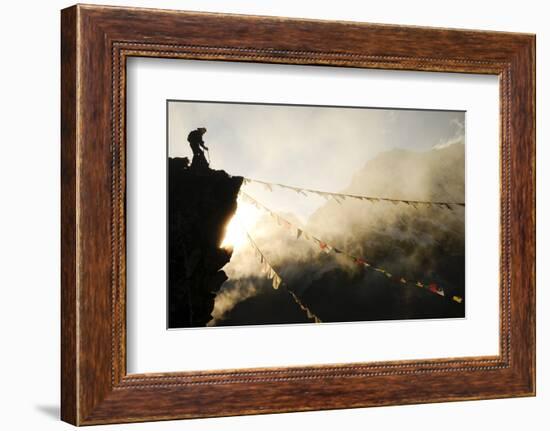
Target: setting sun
(244, 219)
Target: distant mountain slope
(424, 243)
(437, 174)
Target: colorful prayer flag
(432, 287)
(324, 246)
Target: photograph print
(299, 214)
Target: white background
(152, 349)
(29, 228)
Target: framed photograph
(264, 215)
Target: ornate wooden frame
(95, 42)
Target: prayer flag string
(339, 197)
(277, 281)
(327, 248)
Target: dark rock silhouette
(200, 204)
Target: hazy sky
(312, 147)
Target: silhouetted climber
(197, 145)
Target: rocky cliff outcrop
(200, 204)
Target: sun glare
(235, 232)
